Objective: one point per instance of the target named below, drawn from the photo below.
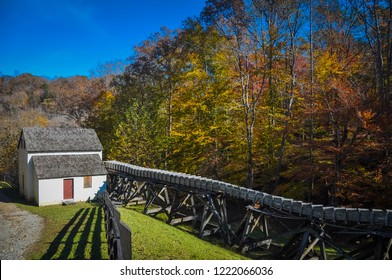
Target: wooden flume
(290, 229)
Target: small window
(88, 182)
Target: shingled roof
(60, 139)
(60, 166)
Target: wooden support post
(323, 253)
(159, 198)
(174, 207)
(310, 247)
(205, 219)
(388, 248)
(382, 248)
(248, 224)
(256, 220)
(149, 198)
(302, 246)
(194, 211)
(266, 231)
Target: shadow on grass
(80, 238)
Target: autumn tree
(203, 108)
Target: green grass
(77, 232)
(153, 239)
(70, 232)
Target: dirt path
(19, 229)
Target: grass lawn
(70, 232)
(77, 232)
(153, 239)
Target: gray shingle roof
(60, 139)
(61, 166)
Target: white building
(58, 165)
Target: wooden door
(68, 189)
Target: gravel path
(19, 229)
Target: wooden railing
(118, 234)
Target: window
(88, 182)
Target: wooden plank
(214, 186)
(287, 204)
(340, 214)
(198, 182)
(177, 179)
(150, 174)
(139, 173)
(177, 221)
(309, 248)
(297, 206)
(222, 187)
(388, 218)
(205, 184)
(132, 171)
(251, 194)
(317, 211)
(277, 202)
(155, 176)
(303, 244)
(186, 181)
(155, 173)
(125, 241)
(267, 200)
(306, 209)
(208, 232)
(156, 210)
(171, 178)
(227, 189)
(165, 177)
(378, 217)
(255, 244)
(236, 191)
(243, 193)
(136, 202)
(182, 180)
(191, 181)
(365, 216)
(259, 197)
(352, 215)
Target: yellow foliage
(366, 119)
(106, 98)
(328, 66)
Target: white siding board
(51, 190)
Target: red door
(68, 188)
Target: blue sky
(69, 37)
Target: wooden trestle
(288, 229)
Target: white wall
(26, 165)
(51, 190)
